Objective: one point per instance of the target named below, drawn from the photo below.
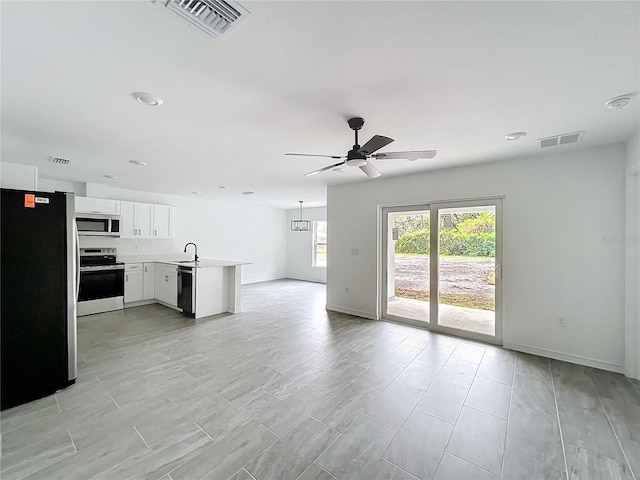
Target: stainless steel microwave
(98, 225)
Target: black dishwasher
(187, 290)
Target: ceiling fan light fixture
(300, 225)
(356, 162)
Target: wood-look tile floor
(286, 390)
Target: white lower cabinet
(133, 282)
(166, 284)
(148, 289)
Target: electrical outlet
(135, 248)
(346, 290)
(562, 322)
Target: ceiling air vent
(563, 139)
(59, 161)
(214, 17)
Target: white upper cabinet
(163, 221)
(145, 220)
(135, 220)
(103, 206)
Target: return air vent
(214, 17)
(563, 139)
(59, 161)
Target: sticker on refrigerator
(42, 200)
(29, 200)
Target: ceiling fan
(359, 155)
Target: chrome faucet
(191, 243)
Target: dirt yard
(467, 276)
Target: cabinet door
(133, 286)
(127, 220)
(172, 287)
(144, 218)
(97, 205)
(148, 292)
(163, 221)
(166, 284)
(159, 284)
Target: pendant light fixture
(300, 225)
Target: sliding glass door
(442, 267)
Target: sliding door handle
(498, 271)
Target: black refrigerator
(39, 290)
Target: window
(320, 243)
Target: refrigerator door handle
(77, 261)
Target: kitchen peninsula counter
(217, 282)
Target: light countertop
(180, 260)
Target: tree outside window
(320, 243)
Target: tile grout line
(141, 437)
(457, 418)
(606, 414)
(398, 467)
(203, 431)
(58, 403)
(247, 472)
(471, 463)
(506, 433)
(624, 454)
(320, 454)
(72, 442)
(114, 401)
(555, 398)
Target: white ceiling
(451, 76)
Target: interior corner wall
(300, 247)
(563, 219)
(632, 258)
(222, 230)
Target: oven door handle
(101, 268)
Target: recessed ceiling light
(110, 177)
(196, 193)
(138, 163)
(222, 186)
(148, 99)
(515, 135)
(619, 102)
(248, 192)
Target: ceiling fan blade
(411, 155)
(375, 144)
(370, 170)
(323, 169)
(313, 155)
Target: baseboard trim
(349, 311)
(310, 280)
(139, 303)
(566, 357)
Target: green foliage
(483, 223)
(414, 242)
(472, 235)
(453, 242)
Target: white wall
(300, 247)
(632, 258)
(562, 215)
(222, 230)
